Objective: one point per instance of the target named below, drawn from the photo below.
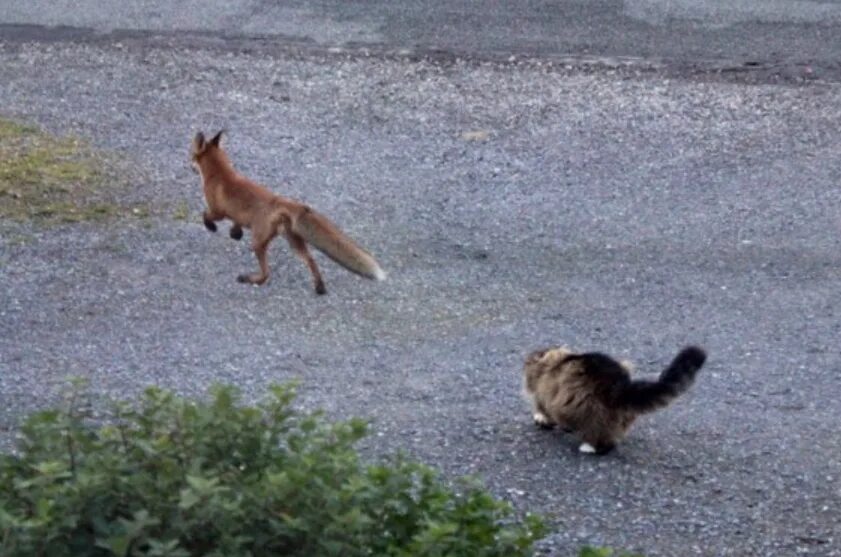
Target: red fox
(249, 205)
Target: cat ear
(216, 138)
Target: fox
(230, 195)
(593, 395)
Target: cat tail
(646, 396)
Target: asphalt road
(764, 38)
(619, 209)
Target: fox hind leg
(260, 241)
(263, 275)
(299, 246)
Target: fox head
(200, 147)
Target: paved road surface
(613, 209)
(766, 38)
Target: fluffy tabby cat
(594, 396)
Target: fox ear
(199, 140)
(216, 138)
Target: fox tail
(335, 244)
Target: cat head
(548, 355)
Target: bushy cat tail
(646, 396)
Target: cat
(593, 395)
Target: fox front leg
(209, 220)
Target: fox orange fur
(231, 195)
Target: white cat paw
(541, 419)
(587, 448)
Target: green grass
(52, 179)
(181, 212)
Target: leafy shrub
(172, 477)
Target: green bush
(173, 477)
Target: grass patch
(181, 212)
(52, 179)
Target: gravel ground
(605, 210)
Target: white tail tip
(379, 274)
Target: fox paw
(236, 232)
(251, 279)
(320, 289)
(210, 225)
